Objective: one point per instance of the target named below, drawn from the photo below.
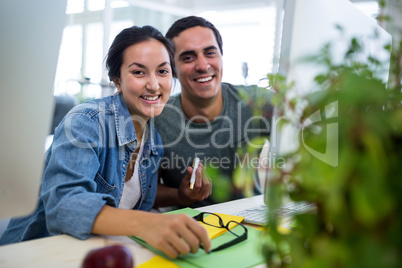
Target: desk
(66, 251)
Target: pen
(196, 162)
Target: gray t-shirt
(216, 142)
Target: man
(207, 120)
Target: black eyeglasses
(240, 236)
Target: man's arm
(183, 196)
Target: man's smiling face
(199, 62)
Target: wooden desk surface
(66, 251)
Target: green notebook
(245, 254)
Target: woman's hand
(174, 234)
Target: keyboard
(258, 214)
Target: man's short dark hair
(193, 21)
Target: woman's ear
(116, 82)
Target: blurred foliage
(221, 183)
(358, 196)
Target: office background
(250, 31)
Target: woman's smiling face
(145, 78)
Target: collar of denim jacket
(125, 127)
(150, 133)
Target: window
(248, 38)
(69, 62)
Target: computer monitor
(30, 37)
(308, 25)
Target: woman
(101, 170)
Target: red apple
(115, 256)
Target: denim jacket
(85, 169)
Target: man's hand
(202, 187)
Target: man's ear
(116, 82)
